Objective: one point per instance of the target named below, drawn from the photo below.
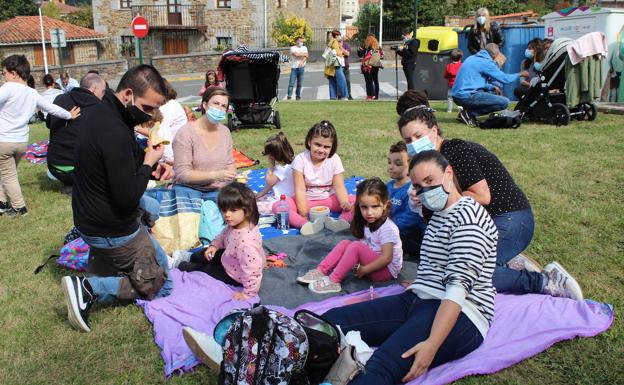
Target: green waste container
(436, 44)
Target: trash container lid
(436, 38)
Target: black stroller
(251, 79)
(546, 99)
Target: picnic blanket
(522, 327)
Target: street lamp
(45, 57)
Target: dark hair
(423, 114)
(214, 91)
(412, 98)
(207, 82)
(457, 54)
(374, 187)
(31, 81)
(440, 161)
(326, 130)
(93, 72)
(171, 92)
(278, 147)
(335, 33)
(142, 78)
(235, 196)
(398, 147)
(406, 31)
(19, 64)
(47, 80)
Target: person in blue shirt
(473, 89)
(411, 225)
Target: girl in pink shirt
(377, 255)
(319, 181)
(235, 256)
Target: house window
(224, 4)
(68, 54)
(279, 3)
(307, 3)
(127, 47)
(125, 3)
(224, 42)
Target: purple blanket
(523, 326)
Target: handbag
(375, 59)
(346, 367)
(326, 52)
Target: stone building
(186, 26)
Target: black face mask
(138, 115)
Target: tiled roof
(24, 29)
(63, 8)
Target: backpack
(263, 347)
(375, 59)
(210, 222)
(504, 119)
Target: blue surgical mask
(434, 197)
(481, 20)
(215, 115)
(420, 145)
(528, 53)
(537, 66)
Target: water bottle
(282, 214)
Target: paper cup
(318, 212)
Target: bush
(286, 30)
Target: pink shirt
(243, 258)
(386, 233)
(190, 153)
(318, 179)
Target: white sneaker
(204, 347)
(178, 257)
(524, 262)
(561, 283)
(312, 227)
(325, 286)
(336, 224)
(311, 276)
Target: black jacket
(63, 133)
(409, 53)
(495, 35)
(109, 175)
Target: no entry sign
(139, 27)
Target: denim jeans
(395, 324)
(338, 85)
(296, 74)
(150, 205)
(481, 103)
(194, 193)
(515, 232)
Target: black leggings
(213, 268)
(372, 82)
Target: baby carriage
(550, 99)
(251, 79)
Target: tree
(51, 10)
(83, 17)
(12, 8)
(286, 30)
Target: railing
(172, 16)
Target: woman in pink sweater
(235, 256)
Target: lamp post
(380, 23)
(45, 57)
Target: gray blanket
(279, 285)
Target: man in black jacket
(110, 177)
(408, 52)
(63, 133)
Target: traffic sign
(57, 38)
(140, 28)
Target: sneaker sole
(571, 281)
(307, 281)
(199, 352)
(73, 312)
(336, 225)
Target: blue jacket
(475, 72)
(401, 215)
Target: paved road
(315, 86)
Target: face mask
(537, 66)
(420, 145)
(138, 115)
(434, 197)
(215, 115)
(300, 44)
(406, 39)
(481, 20)
(528, 53)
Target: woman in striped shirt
(446, 312)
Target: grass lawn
(573, 177)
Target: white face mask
(481, 20)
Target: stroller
(251, 79)
(546, 99)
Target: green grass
(572, 175)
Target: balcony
(172, 16)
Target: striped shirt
(457, 260)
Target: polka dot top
(472, 163)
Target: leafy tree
(12, 8)
(286, 30)
(83, 17)
(51, 10)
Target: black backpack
(323, 344)
(504, 119)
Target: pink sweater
(243, 258)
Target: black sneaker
(465, 118)
(79, 298)
(298, 98)
(4, 207)
(14, 213)
(288, 97)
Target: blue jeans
(181, 189)
(481, 103)
(338, 85)
(515, 232)
(396, 324)
(296, 74)
(151, 205)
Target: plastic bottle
(282, 214)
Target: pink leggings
(296, 220)
(345, 255)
